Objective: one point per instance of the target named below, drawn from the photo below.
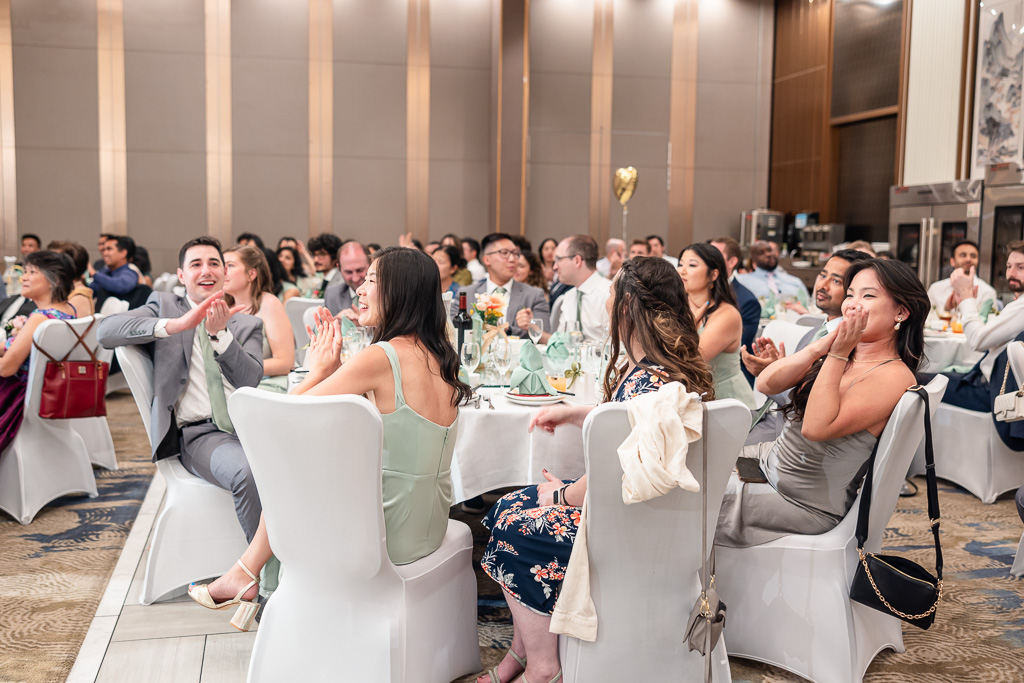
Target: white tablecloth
(494, 450)
(942, 349)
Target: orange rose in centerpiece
(491, 307)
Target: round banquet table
(942, 349)
(493, 448)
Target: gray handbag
(707, 619)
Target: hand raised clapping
(324, 354)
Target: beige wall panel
(460, 111)
(369, 199)
(560, 107)
(369, 112)
(641, 105)
(459, 34)
(56, 103)
(648, 209)
(561, 37)
(731, 50)
(54, 23)
(270, 106)
(559, 200)
(167, 202)
(59, 193)
(559, 147)
(726, 132)
(643, 38)
(371, 32)
(164, 26)
(164, 99)
(270, 29)
(270, 195)
(459, 201)
(719, 197)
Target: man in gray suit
(353, 262)
(500, 256)
(202, 350)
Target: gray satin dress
(811, 486)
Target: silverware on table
(489, 403)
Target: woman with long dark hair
(719, 323)
(409, 367)
(652, 324)
(546, 253)
(845, 387)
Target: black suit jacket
(750, 311)
(26, 308)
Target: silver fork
(489, 404)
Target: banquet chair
(196, 535)
(789, 599)
(343, 611)
(116, 381)
(95, 431)
(295, 307)
(968, 450)
(790, 334)
(645, 558)
(48, 458)
(812, 319)
(165, 282)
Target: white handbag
(1009, 407)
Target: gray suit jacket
(520, 296)
(339, 297)
(241, 363)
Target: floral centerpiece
(490, 308)
(12, 326)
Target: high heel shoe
(493, 673)
(558, 677)
(247, 609)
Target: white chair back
(812, 319)
(113, 305)
(296, 308)
(137, 367)
(645, 558)
(165, 282)
(1015, 357)
(790, 334)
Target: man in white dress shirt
(768, 278)
(965, 257)
(576, 265)
(471, 252)
(614, 255)
(657, 246)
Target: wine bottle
(462, 321)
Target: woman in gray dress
(845, 387)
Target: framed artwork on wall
(999, 80)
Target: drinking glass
(575, 337)
(536, 329)
(470, 355)
(501, 355)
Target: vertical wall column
(112, 116)
(683, 125)
(218, 119)
(321, 116)
(510, 102)
(8, 187)
(417, 207)
(601, 121)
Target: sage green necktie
(214, 383)
(499, 290)
(579, 307)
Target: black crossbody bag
(890, 583)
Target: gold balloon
(624, 183)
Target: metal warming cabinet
(925, 221)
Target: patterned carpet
(53, 572)
(977, 636)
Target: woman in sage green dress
(411, 375)
(719, 324)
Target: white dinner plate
(532, 400)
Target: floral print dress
(530, 545)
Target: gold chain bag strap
(707, 619)
(73, 388)
(890, 583)
(1009, 407)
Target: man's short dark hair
(644, 243)
(732, 247)
(474, 246)
(126, 244)
(32, 236)
(325, 241)
(251, 238)
(521, 242)
(656, 237)
(585, 247)
(491, 239)
(851, 255)
(286, 238)
(1017, 247)
(963, 242)
(201, 241)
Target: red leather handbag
(74, 388)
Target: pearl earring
(898, 321)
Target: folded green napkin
(558, 347)
(529, 378)
(985, 309)
(347, 327)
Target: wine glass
(501, 354)
(470, 355)
(575, 337)
(536, 329)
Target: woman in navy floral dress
(533, 529)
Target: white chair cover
(165, 282)
(790, 334)
(811, 319)
(295, 308)
(342, 611)
(789, 599)
(196, 535)
(112, 306)
(1015, 357)
(95, 431)
(645, 558)
(47, 459)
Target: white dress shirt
(604, 267)
(477, 270)
(194, 403)
(594, 314)
(940, 290)
(763, 283)
(994, 335)
(671, 259)
(13, 309)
